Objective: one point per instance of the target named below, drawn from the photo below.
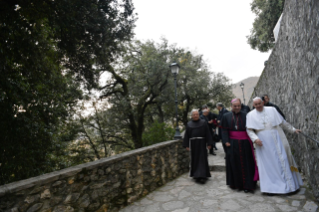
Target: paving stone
(214, 192)
(256, 199)
(176, 190)
(200, 193)
(297, 197)
(173, 205)
(244, 202)
(196, 198)
(181, 210)
(235, 196)
(295, 203)
(261, 207)
(145, 201)
(310, 206)
(208, 202)
(230, 205)
(286, 208)
(184, 194)
(276, 199)
(184, 183)
(223, 187)
(166, 188)
(301, 191)
(153, 208)
(163, 198)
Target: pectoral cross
(264, 119)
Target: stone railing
(103, 185)
(291, 79)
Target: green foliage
(138, 105)
(141, 89)
(268, 13)
(157, 132)
(47, 52)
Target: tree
(198, 86)
(137, 106)
(268, 12)
(137, 81)
(140, 90)
(47, 53)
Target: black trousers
(211, 151)
(221, 139)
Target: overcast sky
(217, 29)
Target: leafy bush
(158, 132)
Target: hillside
(250, 83)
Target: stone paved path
(184, 195)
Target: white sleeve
(251, 133)
(288, 126)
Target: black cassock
(240, 161)
(198, 135)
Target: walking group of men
(273, 165)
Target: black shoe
(203, 180)
(200, 180)
(246, 191)
(216, 148)
(270, 194)
(232, 187)
(212, 153)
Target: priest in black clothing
(265, 98)
(245, 108)
(209, 120)
(197, 140)
(241, 168)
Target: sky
(214, 28)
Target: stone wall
(291, 78)
(103, 185)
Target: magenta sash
(242, 135)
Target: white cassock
(278, 172)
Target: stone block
(46, 194)
(63, 208)
(71, 198)
(84, 201)
(35, 207)
(310, 206)
(37, 190)
(55, 200)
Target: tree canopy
(268, 13)
(49, 50)
(140, 91)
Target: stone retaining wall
(291, 78)
(103, 185)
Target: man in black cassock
(245, 108)
(222, 110)
(265, 98)
(241, 169)
(197, 137)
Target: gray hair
(205, 110)
(193, 111)
(257, 98)
(219, 104)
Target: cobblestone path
(185, 195)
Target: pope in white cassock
(278, 172)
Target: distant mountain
(250, 83)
